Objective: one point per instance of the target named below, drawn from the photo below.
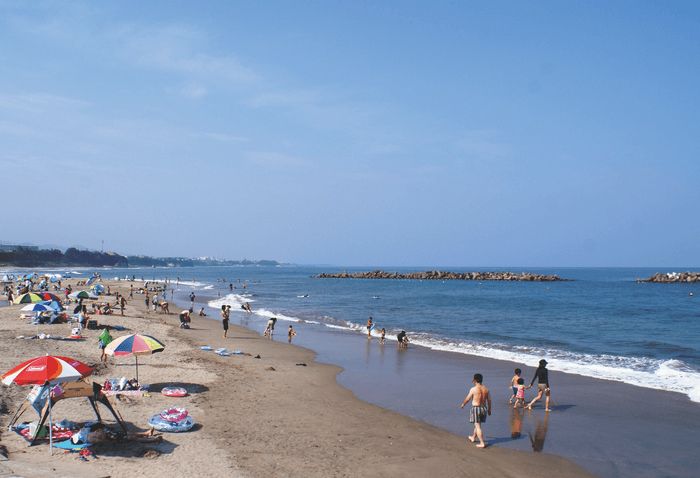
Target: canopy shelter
(39, 400)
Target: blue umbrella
(53, 305)
(37, 307)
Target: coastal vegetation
(33, 257)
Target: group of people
(401, 337)
(481, 398)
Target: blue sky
(355, 133)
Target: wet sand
(256, 417)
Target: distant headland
(32, 256)
(444, 275)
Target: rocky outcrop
(443, 275)
(673, 277)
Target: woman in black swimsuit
(542, 376)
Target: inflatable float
(174, 392)
(165, 421)
(206, 347)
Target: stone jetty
(673, 277)
(443, 275)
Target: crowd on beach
(479, 395)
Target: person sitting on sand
(201, 312)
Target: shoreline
(424, 384)
(290, 421)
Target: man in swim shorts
(480, 396)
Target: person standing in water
(369, 327)
(542, 376)
(224, 319)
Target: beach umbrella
(92, 279)
(47, 370)
(28, 298)
(37, 307)
(48, 296)
(54, 305)
(82, 294)
(134, 344)
(95, 288)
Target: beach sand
(256, 417)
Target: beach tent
(96, 288)
(82, 294)
(38, 399)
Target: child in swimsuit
(381, 339)
(514, 383)
(520, 395)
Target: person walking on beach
(542, 376)
(382, 337)
(514, 383)
(122, 304)
(192, 296)
(224, 319)
(480, 397)
(369, 327)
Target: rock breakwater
(673, 277)
(443, 275)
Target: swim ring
(174, 392)
(163, 425)
(173, 414)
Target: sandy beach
(255, 417)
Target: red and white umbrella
(50, 370)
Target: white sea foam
(234, 300)
(667, 375)
(269, 314)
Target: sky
(377, 133)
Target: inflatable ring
(174, 392)
(173, 427)
(173, 414)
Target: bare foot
(529, 407)
(471, 439)
(547, 409)
(481, 445)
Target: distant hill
(30, 257)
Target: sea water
(600, 323)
